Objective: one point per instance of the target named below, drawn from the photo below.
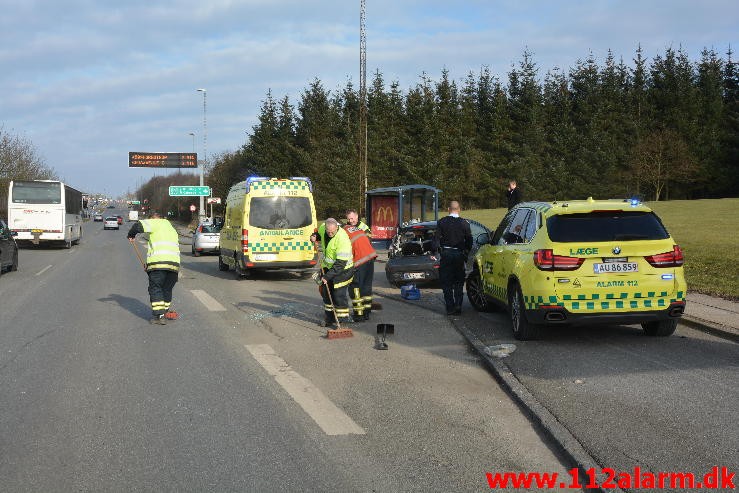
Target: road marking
(331, 419)
(43, 270)
(210, 302)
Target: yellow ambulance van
(268, 224)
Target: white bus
(45, 211)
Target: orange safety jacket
(361, 245)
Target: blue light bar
(668, 277)
(304, 178)
(634, 202)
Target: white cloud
(87, 81)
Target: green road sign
(135, 202)
(189, 191)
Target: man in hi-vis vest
(360, 290)
(337, 270)
(162, 263)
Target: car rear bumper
(290, 265)
(419, 270)
(562, 316)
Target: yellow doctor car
(581, 262)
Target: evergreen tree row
(665, 128)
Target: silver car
(111, 222)
(205, 239)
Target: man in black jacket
(454, 238)
(513, 194)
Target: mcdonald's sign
(383, 214)
(385, 217)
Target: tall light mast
(362, 107)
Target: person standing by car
(454, 238)
(364, 254)
(162, 263)
(337, 268)
(513, 194)
(352, 219)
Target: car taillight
(244, 240)
(546, 260)
(667, 259)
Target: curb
(568, 444)
(565, 441)
(722, 331)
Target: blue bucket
(410, 292)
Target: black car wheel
(223, 266)
(14, 265)
(475, 293)
(662, 328)
(522, 329)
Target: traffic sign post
(189, 191)
(211, 201)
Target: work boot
(457, 310)
(158, 320)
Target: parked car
(205, 239)
(111, 222)
(8, 249)
(97, 217)
(413, 258)
(581, 262)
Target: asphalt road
(242, 393)
(659, 404)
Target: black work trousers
(161, 283)
(335, 298)
(361, 289)
(451, 275)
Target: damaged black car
(413, 256)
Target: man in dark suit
(513, 194)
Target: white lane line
(43, 270)
(210, 302)
(331, 419)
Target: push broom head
(339, 333)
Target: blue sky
(87, 81)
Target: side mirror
(14, 233)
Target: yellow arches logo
(384, 212)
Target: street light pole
(201, 212)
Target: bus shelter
(390, 207)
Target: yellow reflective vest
(164, 245)
(338, 251)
